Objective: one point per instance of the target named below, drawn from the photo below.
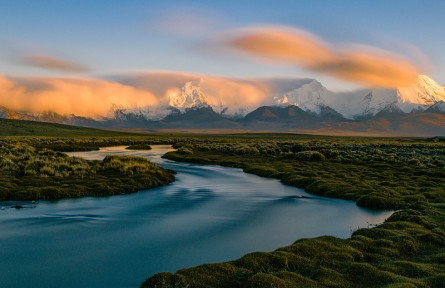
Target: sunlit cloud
(97, 98)
(412, 52)
(53, 63)
(79, 96)
(157, 82)
(233, 93)
(219, 91)
(369, 67)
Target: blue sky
(112, 37)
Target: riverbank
(209, 214)
(408, 250)
(29, 173)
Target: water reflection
(208, 214)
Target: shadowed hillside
(31, 128)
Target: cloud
(96, 98)
(80, 96)
(187, 21)
(52, 63)
(219, 91)
(369, 67)
(157, 82)
(234, 93)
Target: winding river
(209, 214)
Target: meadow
(406, 175)
(32, 166)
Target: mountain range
(291, 105)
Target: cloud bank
(53, 63)
(80, 96)
(95, 98)
(368, 67)
(219, 91)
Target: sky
(101, 39)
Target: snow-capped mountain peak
(309, 96)
(366, 102)
(425, 91)
(189, 96)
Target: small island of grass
(139, 147)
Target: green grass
(29, 173)
(9, 127)
(407, 175)
(32, 167)
(139, 147)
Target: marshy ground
(403, 174)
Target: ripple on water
(209, 214)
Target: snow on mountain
(425, 92)
(235, 98)
(313, 96)
(189, 96)
(309, 96)
(415, 98)
(226, 97)
(364, 103)
(180, 99)
(390, 109)
(154, 113)
(231, 98)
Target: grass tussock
(30, 173)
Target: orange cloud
(96, 98)
(52, 63)
(234, 93)
(298, 47)
(79, 96)
(157, 82)
(219, 91)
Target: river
(209, 214)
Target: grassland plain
(407, 175)
(11, 127)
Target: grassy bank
(32, 167)
(407, 175)
(30, 173)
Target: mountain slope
(438, 107)
(363, 103)
(278, 114)
(390, 110)
(291, 105)
(203, 117)
(308, 96)
(425, 91)
(189, 96)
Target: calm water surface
(209, 214)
